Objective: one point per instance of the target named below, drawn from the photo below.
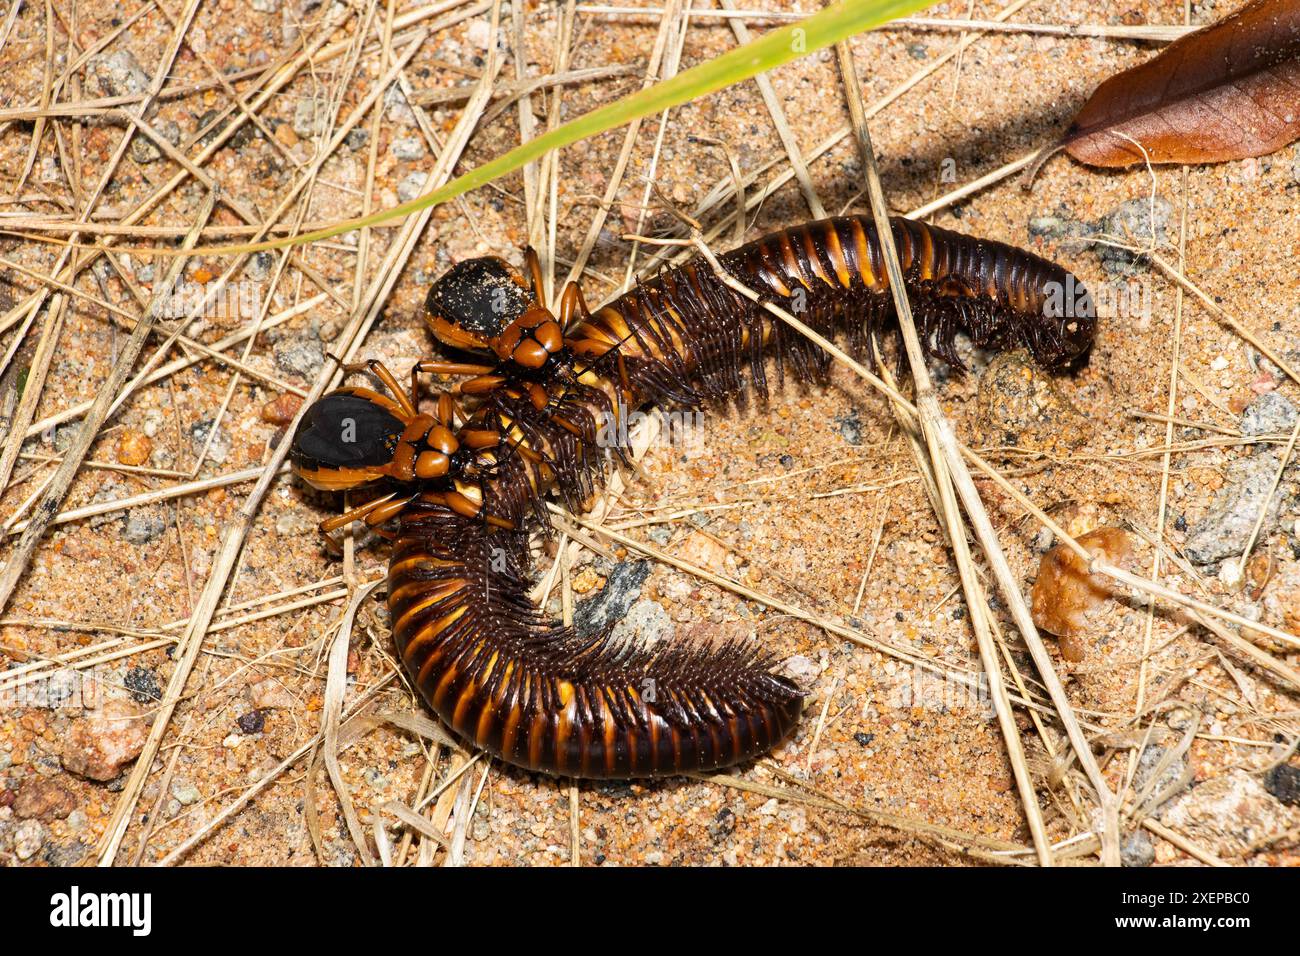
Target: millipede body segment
(549, 385)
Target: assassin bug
(356, 437)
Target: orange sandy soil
(934, 758)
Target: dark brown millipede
(493, 667)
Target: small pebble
(408, 148)
(1137, 849)
(100, 744)
(253, 722)
(144, 525)
(1283, 782)
(303, 357)
(850, 427)
(118, 74)
(133, 448)
(259, 265)
(185, 792)
(281, 409)
(1022, 405)
(646, 622)
(411, 186)
(270, 694)
(28, 839)
(218, 450)
(44, 799)
(1270, 414)
(1138, 223)
(479, 33)
(309, 117)
(1146, 769)
(1223, 533)
(612, 603)
(143, 685)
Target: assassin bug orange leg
(380, 371)
(573, 307)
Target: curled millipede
(493, 667)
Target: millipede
(467, 486)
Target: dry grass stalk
(332, 714)
(945, 474)
(19, 557)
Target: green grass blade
(837, 22)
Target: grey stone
(303, 357)
(118, 73)
(143, 685)
(396, 108)
(259, 265)
(644, 624)
(65, 854)
(411, 186)
(218, 450)
(1139, 223)
(144, 525)
(144, 150)
(185, 792)
(1137, 849)
(850, 427)
(660, 534)
(1283, 781)
(1146, 769)
(408, 148)
(1269, 414)
(1223, 533)
(28, 839)
(611, 604)
(309, 117)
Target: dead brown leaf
(1229, 91)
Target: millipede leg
(478, 386)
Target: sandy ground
(808, 497)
